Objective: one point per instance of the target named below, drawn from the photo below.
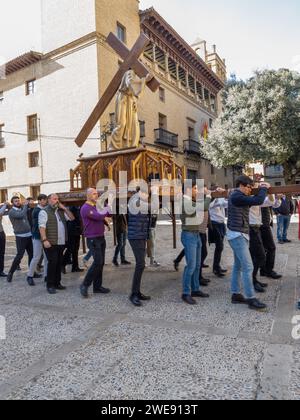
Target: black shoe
(134, 299)
(204, 282)
(200, 294)
(256, 305)
(287, 241)
(126, 263)
(281, 242)
(30, 281)
(205, 266)
(176, 265)
(3, 275)
(238, 299)
(189, 300)
(19, 268)
(51, 291)
(101, 291)
(9, 277)
(84, 291)
(219, 274)
(258, 288)
(63, 270)
(37, 276)
(77, 270)
(274, 275)
(143, 298)
(115, 263)
(60, 287)
(264, 285)
(224, 271)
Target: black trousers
(2, 250)
(54, 257)
(95, 274)
(204, 252)
(257, 250)
(23, 245)
(139, 251)
(72, 251)
(270, 248)
(219, 233)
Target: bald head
(92, 195)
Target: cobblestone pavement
(64, 347)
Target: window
(212, 170)
(2, 165)
(162, 94)
(32, 127)
(211, 123)
(182, 76)
(225, 172)
(192, 84)
(162, 121)
(30, 87)
(35, 192)
(3, 196)
(33, 159)
(277, 184)
(1, 96)
(2, 142)
(142, 129)
(121, 32)
(191, 133)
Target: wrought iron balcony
(192, 147)
(166, 138)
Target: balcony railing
(193, 147)
(166, 138)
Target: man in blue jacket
(239, 205)
(138, 234)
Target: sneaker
(155, 264)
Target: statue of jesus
(127, 131)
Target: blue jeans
(192, 247)
(283, 224)
(243, 267)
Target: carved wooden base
(143, 163)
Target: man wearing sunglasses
(240, 202)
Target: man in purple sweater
(94, 229)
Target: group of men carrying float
(249, 235)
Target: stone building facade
(46, 97)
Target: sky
(250, 34)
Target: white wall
(66, 93)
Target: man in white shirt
(257, 248)
(217, 232)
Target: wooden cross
(131, 61)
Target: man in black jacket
(284, 214)
(240, 202)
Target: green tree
(260, 123)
